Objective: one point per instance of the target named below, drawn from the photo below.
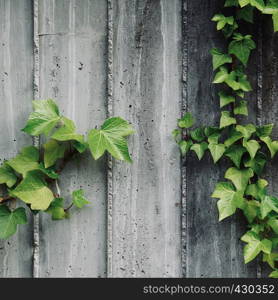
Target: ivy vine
(248, 146)
(30, 177)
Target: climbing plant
(247, 146)
(30, 177)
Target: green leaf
(233, 137)
(80, 146)
(251, 210)
(272, 145)
(177, 134)
(53, 151)
(216, 150)
(274, 274)
(252, 146)
(199, 149)
(268, 204)
(210, 130)
(44, 118)
(243, 3)
(241, 47)
(78, 198)
(10, 219)
(56, 209)
(257, 163)
(235, 153)
(241, 109)
(225, 99)
(259, 4)
(246, 130)
(213, 139)
(221, 76)
(222, 21)
(198, 134)
(50, 172)
(186, 121)
(111, 137)
(185, 146)
(246, 14)
(67, 132)
(275, 24)
(239, 177)
(273, 223)
(219, 58)
(226, 119)
(254, 246)
(7, 175)
(256, 189)
(26, 161)
(230, 3)
(229, 199)
(264, 131)
(33, 190)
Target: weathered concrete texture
(73, 71)
(16, 93)
(212, 249)
(147, 92)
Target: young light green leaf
(246, 130)
(226, 119)
(26, 161)
(265, 130)
(273, 223)
(274, 274)
(186, 121)
(44, 118)
(252, 146)
(216, 150)
(251, 210)
(271, 145)
(241, 108)
(219, 58)
(7, 175)
(256, 190)
(230, 199)
(33, 190)
(243, 3)
(268, 204)
(78, 198)
(199, 149)
(111, 137)
(225, 99)
(67, 132)
(213, 139)
(239, 177)
(53, 151)
(275, 24)
(221, 76)
(222, 21)
(185, 146)
(56, 209)
(235, 153)
(10, 219)
(259, 4)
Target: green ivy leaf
(235, 153)
(257, 163)
(216, 150)
(243, 3)
(272, 145)
(198, 134)
(78, 198)
(241, 47)
(246, 130)
(7, 175)
(177, 134)
(229, 199)
(273, 223)
(56, 209)
(274, 274)
(219, 58)
(33, 190)
(53, 151)
(252, 146)
(185, 146)
(275, 24)
(213, 139)
(268, 204)
(225, 99)
(270, 258)
(186, 121)
(26, 161)
(210, 130)
(226, 119)
(251, 210)
(222, 21)
(44, 118)
(256, 190)
(199, 149)
(241, 108)
(230, 3)
(239, 177)
(221, 76)
(111, 137)
(10, 219)
(254, 246)
(233, 137)
(246, 14)
(259, 4)
(264, 131)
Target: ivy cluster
(30, 176)
(247, 146)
